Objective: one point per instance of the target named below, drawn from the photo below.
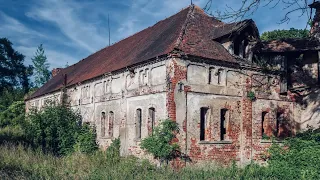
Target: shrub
(86, 140)
(57, 129)
(14, 115)
(160, 142)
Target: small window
(223, 124)
(110, 124)
(103, 124)
(210, 75)
(138, 123)
(107, 86)
(263, 123)
(203, 122)
(279, 119)
(152, 118)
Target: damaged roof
(189, 31)
(290, 44)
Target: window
(223, 123)
(107, 86)
(278, 121)
(103, 124)
(203, 121)
(210, 75)
(263, 122)
(219, 75)
(146, 77)
(110, 124)
(138, 123)
(152, 118)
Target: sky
(71, 30)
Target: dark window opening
(110, 125)
(203, 113)
(223, 119)
(103, 124)
(263, 118)
(152, 117)
(278, 120)
(138, 123)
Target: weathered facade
(203, 74)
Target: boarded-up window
(103, 124)
(152, 114)
(203, 122)
(138, 123)
(110, 124)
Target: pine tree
(41, 67)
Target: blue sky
(70, 30)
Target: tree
(13, 73)
(160, 142)
(41, 67)
(248, 7)
(57, 129)
(283, 34)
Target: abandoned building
(228, 90)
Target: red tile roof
(190, 31)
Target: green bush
(86, 140)
(297, 158)
(160, 144)
(57, 129)
(13, 115)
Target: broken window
(152, 114)
(263, 122)
(110, 124)
(203, 121)
(103, 124)
(223, 123)
(138, 123)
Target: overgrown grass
(17, 162)
(300, 160)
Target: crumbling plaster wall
(197, 85)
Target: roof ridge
(184, 27)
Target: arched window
(224, 116)
(152, 114)
(110, 124)
(103, 124)
(138, 123)
(203, 122)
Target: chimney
(315, 26)
(55, 71)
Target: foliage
(86, 140)
(14, 115)
(13, 73)
(297, 158)
(13, 135)
(113, 151)
(160, 142)
(283, 34)
(9, 96)
(57, 129)
(41, 66)
(251, 95)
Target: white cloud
(65, 16)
